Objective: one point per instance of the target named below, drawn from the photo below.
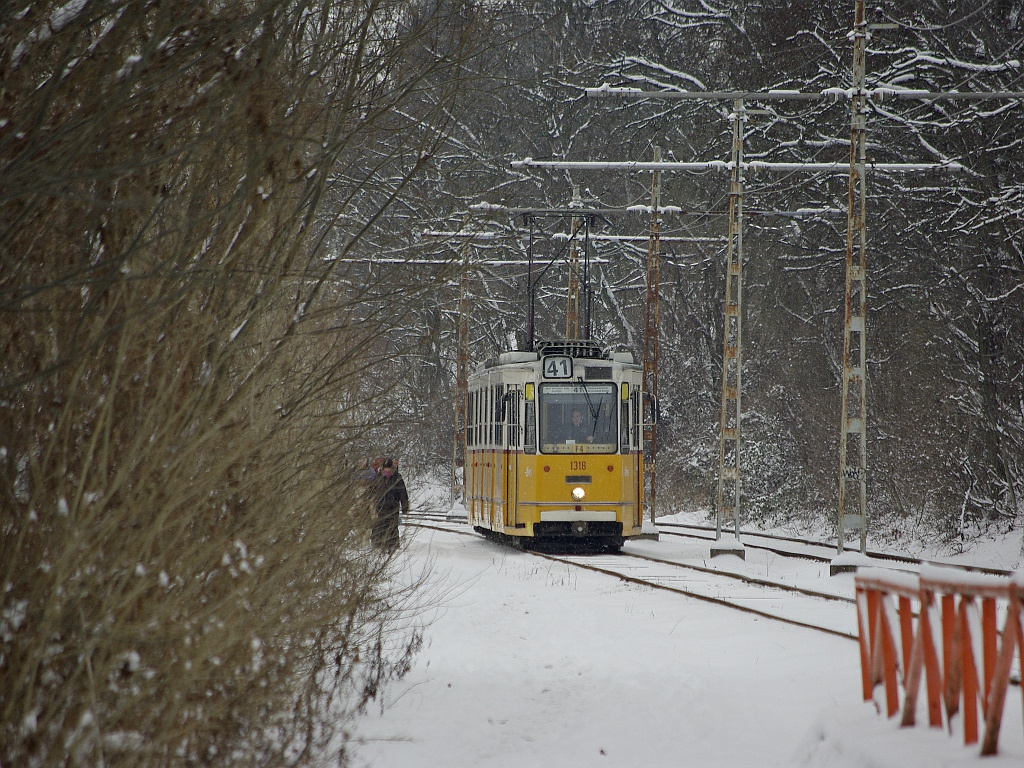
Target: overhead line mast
(651, 338)
(853, 465)
(461, 394)
(572, 309)
(730, 419)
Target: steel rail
(1016, 681)
(677, 590)
(740, 577)
(909, 560)
(698, 595)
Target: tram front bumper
(572, 523)
(574, 515)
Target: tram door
(511, 403)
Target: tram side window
(492, 419)
(481, 418)
(469, 419)
(473, 419)
(489, 415)
(499, 427)
(624, 428)
(485, 417)
(530, 433)
(496, 412)
(512, 417)
(637, 423)
(479, 413)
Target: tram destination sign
(578, 389)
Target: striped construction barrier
(941, 625)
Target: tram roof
(578, 349)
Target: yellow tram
(554, 446)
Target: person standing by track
(388, 488)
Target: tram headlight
(578, 493)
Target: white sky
(528, 662)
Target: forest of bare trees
(945, 263)
(215, 299)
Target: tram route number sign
(557, 367)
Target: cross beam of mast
(833, 94)
(727, 166)
(645, 210)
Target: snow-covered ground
(528, 662)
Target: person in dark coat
(388, 488)
(578, 429)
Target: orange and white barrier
(941, 625)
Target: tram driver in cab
(578, 431)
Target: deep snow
(527, 662)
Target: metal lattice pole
(530, 303)
(852, 513)
(729, 477)
(651, 336)
(572, 310)
(461, 392)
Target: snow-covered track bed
(777, 600)
(829, 613)
(788, 546)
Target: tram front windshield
(578, 418)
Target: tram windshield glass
(578, 418)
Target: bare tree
(186, 191)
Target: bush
(183, 570)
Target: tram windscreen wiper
(590, 404)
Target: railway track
(831, 614)
(795, 545)
(784, 546)
(775, 600)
